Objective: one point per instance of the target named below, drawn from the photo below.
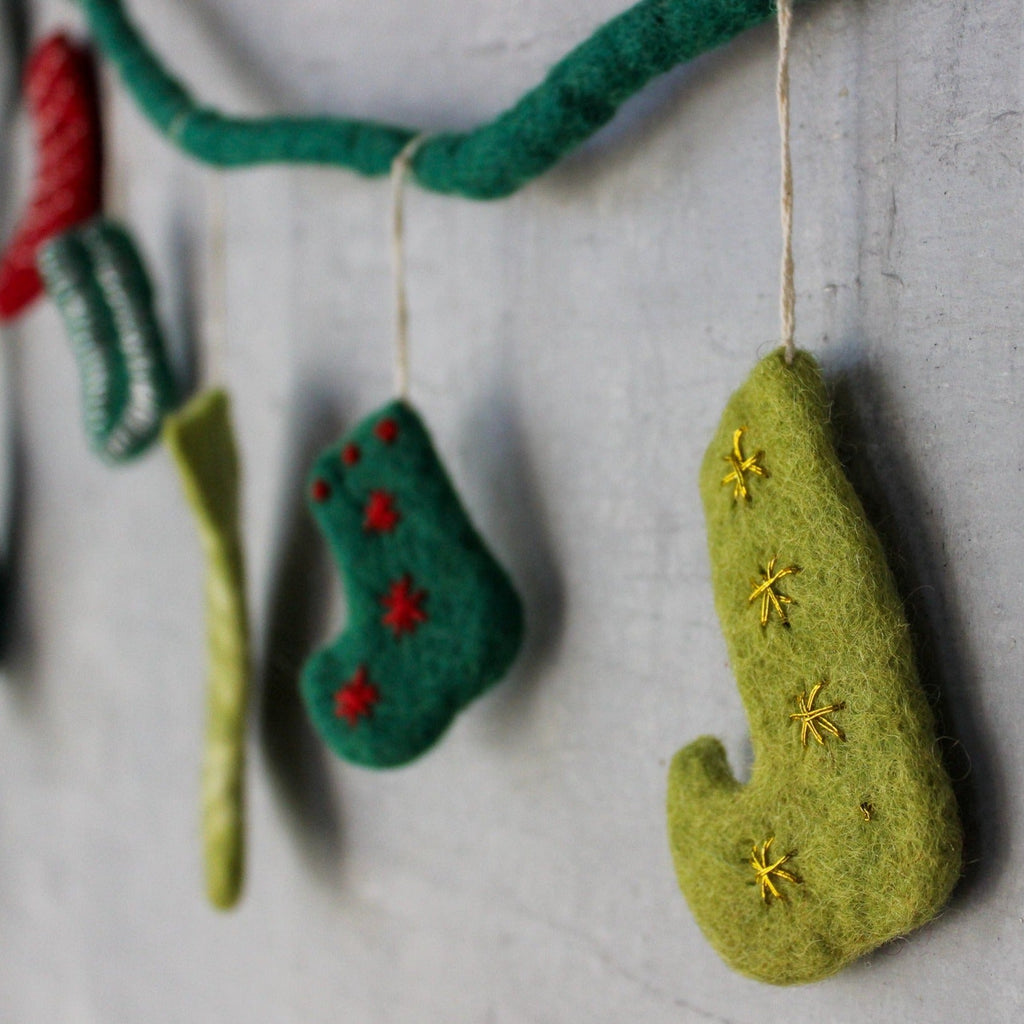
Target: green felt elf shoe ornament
(96, 276)
(847, 833)
(201, 441)
(433, 619)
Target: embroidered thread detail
(770, 598)
(812, 719)
(404, 613)
(765, 874)
(742, 466)
(356, 698)
(381, 515)
(387, 431)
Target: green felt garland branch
(579, 95)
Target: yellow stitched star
(742, 466)
(812, 719)
(765, 873)
(765, 589)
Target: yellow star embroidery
(765, 874)
(812, 719)
(742, 466)
(770, 598)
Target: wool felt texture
(201, 441)
(96, 276)
(433, 619)
(847, 833)
(60, 86)
(578, 96)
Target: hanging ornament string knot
(399, 172)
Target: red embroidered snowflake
(380, 516)
(356, 698)
(404, 613)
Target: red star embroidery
(404, 613)
(356, 698)
(381, 514)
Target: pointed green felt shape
(201, 441)
(868, 823)
(96, 277)
(433, 619)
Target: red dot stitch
(404, 613)
(350, 454)
(380, 516)
(387, 431)
(356, 698)
(320, 490)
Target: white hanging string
(216, 318)
(787, 289)
(399, 171)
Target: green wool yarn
(201, 441)
(578, 96)
(433, 620)
(96, 277)
(847, 833)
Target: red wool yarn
(60, 86)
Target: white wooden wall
(572, 350)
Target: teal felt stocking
(433, 618)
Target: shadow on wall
(894, 499)
(298, 600)
(513, 519)
(16, 655)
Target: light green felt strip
(867, 822)
(578, 96)
(201, 440)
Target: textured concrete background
(573, 347)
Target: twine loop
(399, 172)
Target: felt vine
(201, 440)
(433, 618)
(579, 95)
(847, 833)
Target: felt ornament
(433, 619)
(201, 440)
(97, 278)
(577, 97)
(847, 833)
(60, 86)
